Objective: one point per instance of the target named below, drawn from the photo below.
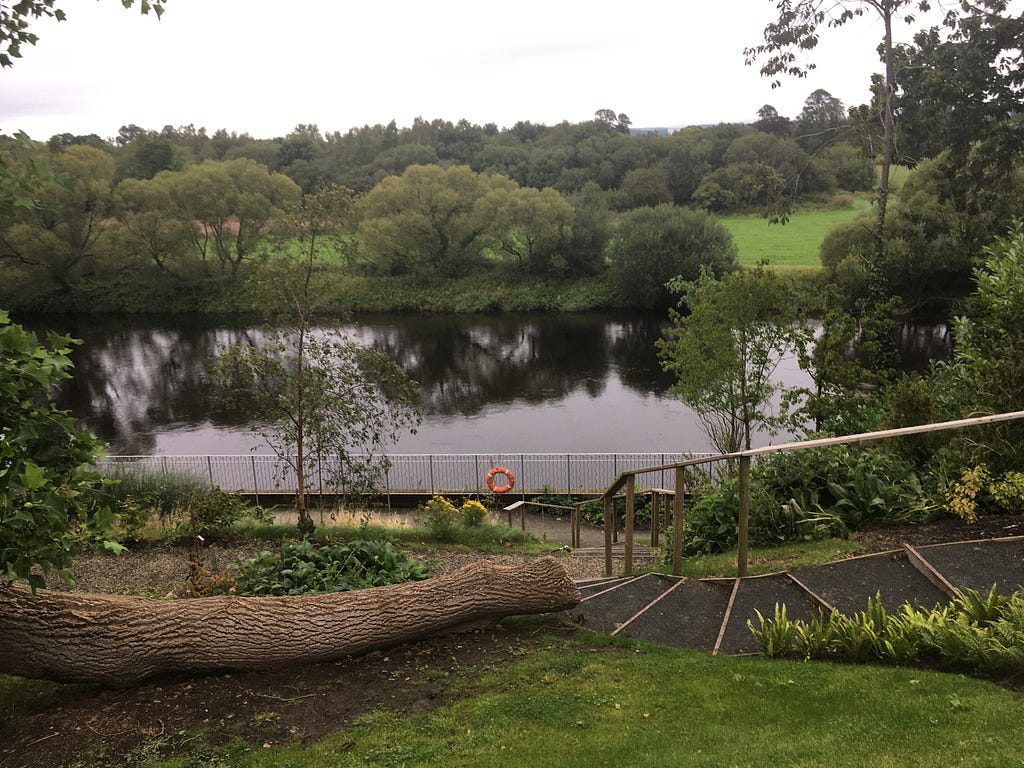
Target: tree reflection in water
(138, 380)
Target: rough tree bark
(119, 640)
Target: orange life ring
(510, 480)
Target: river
(579, 383)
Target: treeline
(191, 239)
(819, 151)
(177, 219)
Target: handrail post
(744, 517)
(630, 512)
(607, 536)
(677, 522)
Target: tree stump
(119, 640)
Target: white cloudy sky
(262, 67)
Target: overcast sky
(262, 67)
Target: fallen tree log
(120, 640)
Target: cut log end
(119, 640)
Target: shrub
(439, 517)
(212, 511)
(303, 568)
(472, 513)
(962, 499)
(858, 485)
(1008, 492)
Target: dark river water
(492, 384)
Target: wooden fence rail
(627, 479)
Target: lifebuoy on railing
(510, 480)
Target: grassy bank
(496, 290)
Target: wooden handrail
(626, 476)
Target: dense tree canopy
(652, 246)
(57, 236)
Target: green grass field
(791, 245)
(589, 702)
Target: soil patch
(104, 727)
(883, 539)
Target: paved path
(712, 614)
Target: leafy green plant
(712, 524)
(132, 517)
(1008, 492)
(862, 499)
(857, 485)
(304, 568)
(984, 633)
(49, 489)
(776, 636)
(813, 639)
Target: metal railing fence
(535, 473)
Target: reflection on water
(492, 384)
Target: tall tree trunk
(888, 141)
(119, 640)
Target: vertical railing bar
(677, 521)
(608, 502)
(255, 482)
(320, 480)
(655, 516)
(630, 512)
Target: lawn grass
(588, 701)
(791, 245)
